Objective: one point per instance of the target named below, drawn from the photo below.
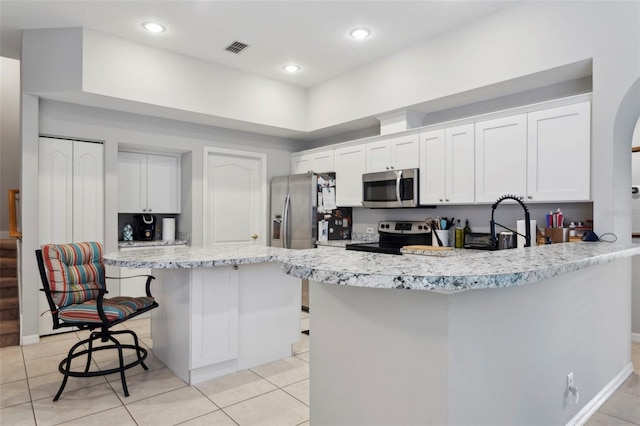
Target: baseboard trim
(30, 340)
(601, 397)
(4, 234)
(635, 337)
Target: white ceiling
(313, 34)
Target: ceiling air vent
(236, 47)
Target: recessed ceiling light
(153, 27)
(291, 68)
(360, 33)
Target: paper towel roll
(168, 229)
(520, 228)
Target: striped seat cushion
(116, 308)
(75, 271)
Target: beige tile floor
(272, 394)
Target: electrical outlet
(571, 393)
(370, 230)
(569, 381)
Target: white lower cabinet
(218, 320)
(350, 165)
(214, 311)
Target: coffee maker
(145, 227)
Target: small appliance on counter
(145, 229)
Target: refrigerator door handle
(398, 180)
(285, 222)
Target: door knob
(254, 236)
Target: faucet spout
(527, 217)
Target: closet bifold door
(71, 198)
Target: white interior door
(235, 197)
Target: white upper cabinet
(432, 167)
(319, 162)
(148, 183)
(350, 166)
(393, 154)
(446, 166)
(559, 153)
(459, 164)
(501, 158)
(300, 164)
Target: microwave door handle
(285, 221)
(398, 180)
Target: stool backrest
(75, 271)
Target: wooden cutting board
(418, 247)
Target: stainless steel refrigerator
(298, 204)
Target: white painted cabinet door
(432, 167)
(501, 158)
(55, 174)
(236, 194)
(378, 156)
(163, 184)
(405, 152)
(323, 161)
(350, 166)
(559, 153)
(459, 164)
(214, 315)
(301, 164)
(132, 182)
(88, 192)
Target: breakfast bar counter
(466, 337)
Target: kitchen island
(469, 338)
(222, 309)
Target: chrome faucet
(527, 237)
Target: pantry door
(235, 197)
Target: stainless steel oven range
(396, 234)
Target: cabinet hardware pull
(254, 236)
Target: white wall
(635, 289)
(93, 68)
(9, 135)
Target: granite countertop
(467, 269)
(194, 257)
(472, 269)
(152, 243)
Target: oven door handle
(398, 180)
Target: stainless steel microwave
(390, 189)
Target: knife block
(556, 234)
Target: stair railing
(14, 198)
